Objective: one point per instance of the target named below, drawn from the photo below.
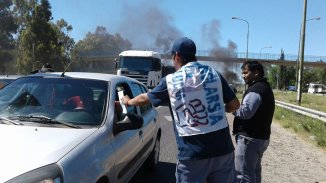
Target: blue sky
(274, 23)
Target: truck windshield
(140, 63)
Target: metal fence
(230, 54)
(270, 56)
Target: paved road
(287, 159)
(166, 167)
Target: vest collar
(258, 80)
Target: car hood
(24, 148)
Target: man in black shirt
(252, 123)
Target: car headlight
(47, 174)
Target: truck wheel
(153, 159)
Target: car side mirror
(131, 121)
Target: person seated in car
(82, 101)
(76, 102)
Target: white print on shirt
(196, 99)
(197, 113)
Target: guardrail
(302, 110)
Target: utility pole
(302, 42)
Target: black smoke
(147, 26)
(211, 35)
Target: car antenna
(64, 71)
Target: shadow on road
(163, 174)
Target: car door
(128, 143)
(149, 128)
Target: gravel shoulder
(289, 158)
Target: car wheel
(153, 159)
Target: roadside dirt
(290, 159)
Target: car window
(139, 89)
(78, 101)
(124, 87)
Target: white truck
(145, 66)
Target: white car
(70, 127)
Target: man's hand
(125, 100)
(232, 105)
(139, 100)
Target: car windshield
(139, 63)
(6, 81)
(54, 101)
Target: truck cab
(144, 66)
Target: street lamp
(315, 18)
(262, 49)
(236, 18)
(297, 69)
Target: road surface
(166, 167)
(287, 159)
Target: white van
(316, 88)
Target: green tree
(285, 76)
(40, 41)
(23, 10)
(309, 76)
(65, 44)
(280, 77)
(290, 76)
(272, 76)
(8, 27)
(97, 44)
(321, 74)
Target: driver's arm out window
(126, 91)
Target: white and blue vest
(196, 98)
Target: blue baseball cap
(184, 46)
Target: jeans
(248, 156)
(219, 169)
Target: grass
(317, 102)
(304, 126)
(308, 128)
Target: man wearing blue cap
(199, 97)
